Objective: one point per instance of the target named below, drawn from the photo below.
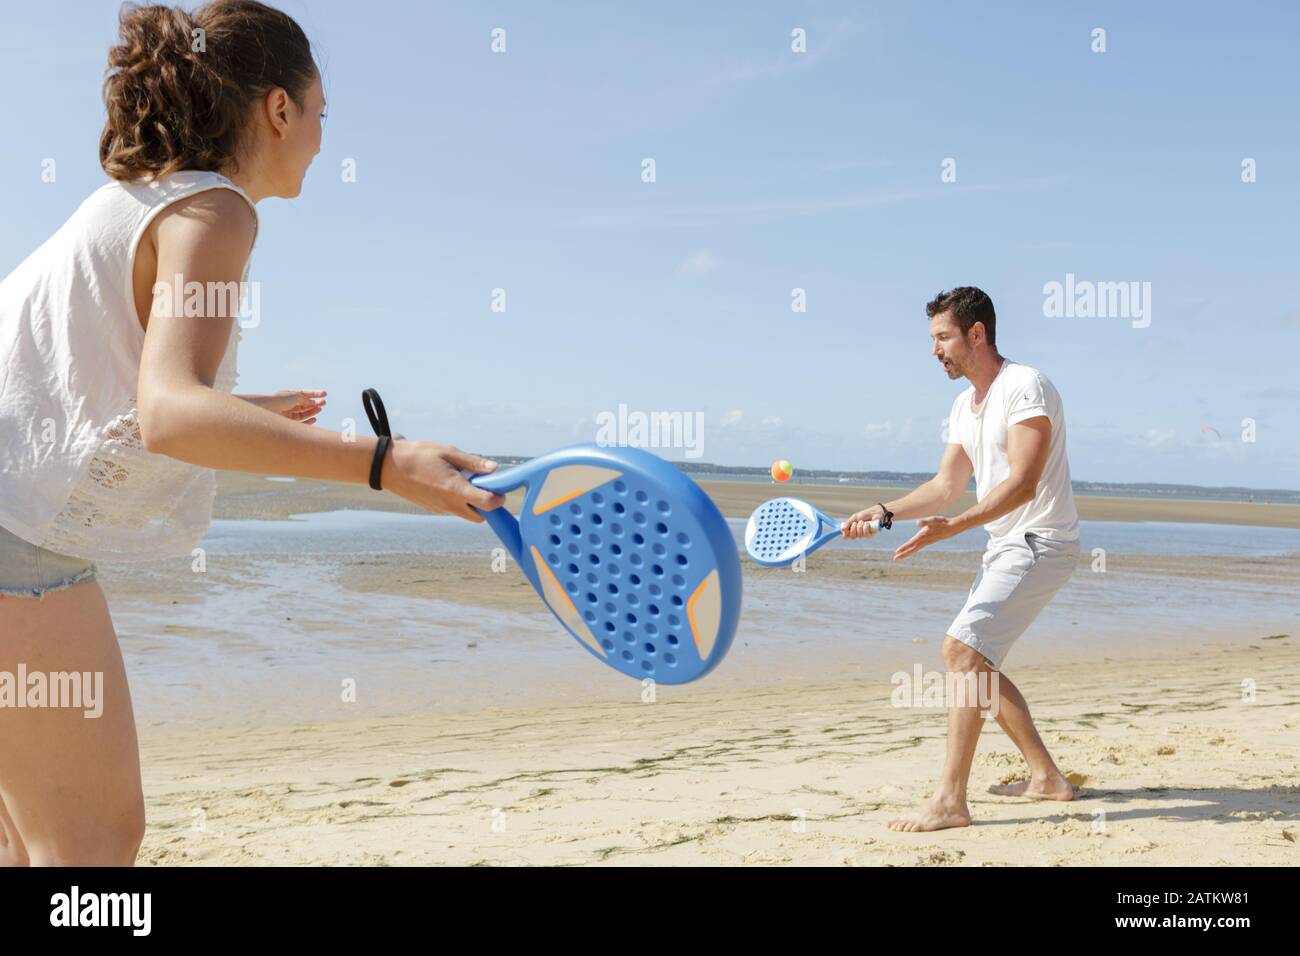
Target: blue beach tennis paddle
(630, 555)
(782, 529)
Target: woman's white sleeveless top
(75, 477)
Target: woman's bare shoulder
(218, 220)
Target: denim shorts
(1017, 578)
(27, 570)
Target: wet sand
(459, 577)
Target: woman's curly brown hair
(180, 85)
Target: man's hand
(858, 525)
(932, 529)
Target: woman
(115, 405)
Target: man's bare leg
(1046, 782)
(947, 808)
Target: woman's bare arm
(207, 239)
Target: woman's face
(301, 142)
(288, 139)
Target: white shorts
(1015, 581)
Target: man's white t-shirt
(1018, 393)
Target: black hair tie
(374, 406)
(887, 521)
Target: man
(1008, 429)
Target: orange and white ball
(782, 470)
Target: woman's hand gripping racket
(630, 555)
(781, 530)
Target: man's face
(950, 346)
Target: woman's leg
(70, 784)
(12, 851)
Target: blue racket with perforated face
(781, 530)
(630, 555)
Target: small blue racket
(781, 530)
(629, 554)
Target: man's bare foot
(934, 814)
(1054, 788)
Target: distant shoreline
(738, 499)
(1156, 490)
(1139, 490)
(242, 495)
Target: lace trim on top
(133, 504)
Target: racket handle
(501, 521)
(873, 524)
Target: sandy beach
(1182, 742)
(1174, 768)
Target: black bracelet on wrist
(377, 463)
(374, 406)
(887, 521)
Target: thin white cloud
(756, 211)
(705, 87)
(1277, 391)
(699, 263)
(883, 430)
(1155, 438)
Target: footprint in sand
(941, 858)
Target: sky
(909, 148)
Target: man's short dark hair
(967, 305)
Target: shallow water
(354, 531)
(268, 636)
